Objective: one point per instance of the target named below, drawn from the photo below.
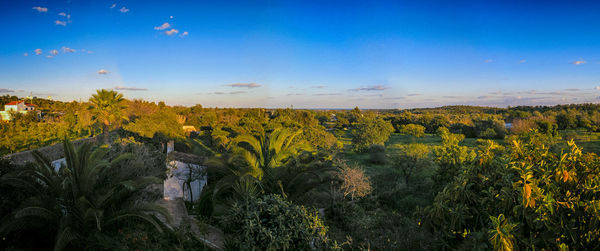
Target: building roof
(14, 102)
(20, 101)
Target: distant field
(589, 141)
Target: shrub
(354, 182)
(271, 223)
(413, 129)
(377, 154)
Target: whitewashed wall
(174, 185)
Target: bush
(271, 223)
(377, 154)
(413, 129)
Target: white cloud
(124, 10)
(4, 90)
(164, 26)
(62, 14)
(597, 88)
(103, 72)
(58, 22)
(54, 52)
(578, 62)
(245, 85)
(489, 60)
(185, 33)
(171, 32)
(38, 51)
(113, 6)
(40, 9)
(25, 54)
(522, 61)
(124, 88)
(318, 86)
(49, 56)
(67, 49)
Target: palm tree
(85, 202)
(269, 150)
(233, 178)
(107, 107)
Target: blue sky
(306, 54)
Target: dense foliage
(271, 223)
(458, 177)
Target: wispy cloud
(124, 10)
(318, 86)
(572, 89)
(62, 14)
(484, 97)
(67, 49)
(58, 22)
(522, 61)
(113, 6)
(25, 54)
(38, 51)
(244, 85)
(578, 62)
(49, 56)
(40, 9)
(394, 98)
(103, 72)
(4, 90)
(597, 88)
(327, 94)
(54, 52)
(125, 88)
(450, 97)
(171, 32)
(163, 26)
(371, 88)
(489, 60)
(185, 33)
(294, 94)
(229, 93)
(413, 94)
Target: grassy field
(590, 142)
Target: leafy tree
(370, 131)
(559, 192)
(566, 120)
(161, 124)
(108, 109)
(411, 159)
(85, 202)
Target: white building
(16, 106)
